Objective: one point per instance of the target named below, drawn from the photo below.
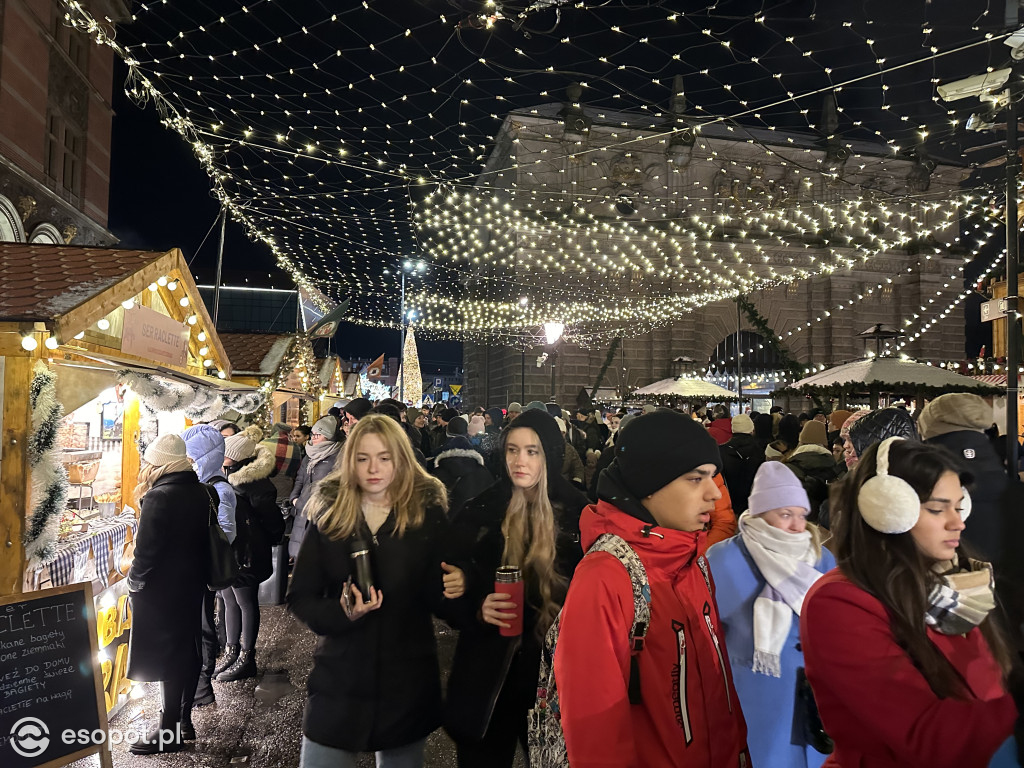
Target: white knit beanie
(243, 445)
(166, 449)
(775, 486)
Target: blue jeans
(318, 756)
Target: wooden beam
(129, 449)
(14, 471)
(106, 301)
(199, 307)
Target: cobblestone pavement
(258, 723)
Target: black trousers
(506, 729)
(210, 642)
(242, 616)
(178, 692)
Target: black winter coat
(741, 457)
(974, 453)
(815, 467)
(483, 658)
(375, 682)
(258, 520)
(168, 578)
(464, 475)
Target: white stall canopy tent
(883, 372)
(696, 389)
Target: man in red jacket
(657, 495)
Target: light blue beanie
(776, 486)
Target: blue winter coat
(768, 702)
(204, 444)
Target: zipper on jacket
(682, 704)
(718, 650)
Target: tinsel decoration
(607, 363)
(158, 395)
(299, 358)
(852, 390)
(49, 479)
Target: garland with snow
(49, 479)
(158, 395)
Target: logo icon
(30, 737)
(969, 453)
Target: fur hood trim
(432, 491)
(459, 453)
(260, 466)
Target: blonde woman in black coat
(375, 684)
(167, 582)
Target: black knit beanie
(550, 435)
(359, 407)
(656, 448)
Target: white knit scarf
(786, 562)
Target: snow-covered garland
(49, 491)
(157, 395)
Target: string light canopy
(350, 138)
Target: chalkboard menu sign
(50, 680)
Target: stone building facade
(55, 124)
(894, 248)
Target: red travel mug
(509, 581)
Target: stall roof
(684, 387)
(881, 372)
(43, 282)
(256, 354)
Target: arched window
(11, 230)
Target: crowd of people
(630, 589)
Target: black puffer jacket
(462, 470)
(741, 457)
(879, 425)
(375, 682)
(258, 520)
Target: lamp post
(552, 333)
(524, 302)
(409, 267)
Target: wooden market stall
(878, 377)
(100, 351)
(283, 367)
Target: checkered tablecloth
(105, 535)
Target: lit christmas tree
(411, 370)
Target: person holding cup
(370, 572)
(519, 543)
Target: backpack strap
(615, 545)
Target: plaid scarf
(962, 598)
(786, 563)
(287, 455)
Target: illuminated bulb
(192, 319)
(162, 282)
(80, 335)
(103, 324)
(221, 375)
(204, 351)
(207, 363)
(201, 336)
(128, 304)
(29, 343)
(51, 342)
(173, 285)
(183, 301)
(153, 287)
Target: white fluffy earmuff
(888, 503)
(965, 505)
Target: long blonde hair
(150, 473)
(529, 531)
(410, 490)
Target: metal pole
(1013, 327)
(739, 365)
(220, 264)
(522, 391)
(552, 376)
(401, 353)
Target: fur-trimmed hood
(811, 448)
(432, 491)
(258, 467)
(459, 453)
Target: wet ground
(257, 723)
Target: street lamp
(409, 267)
(524, 302)
(552, 333)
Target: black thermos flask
(362, 571)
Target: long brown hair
(893, 569)
(529, 531)
(410, 490)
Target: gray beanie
(326, 426)
(243, 445)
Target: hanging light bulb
(28, 342)
(103, 324)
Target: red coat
(874, 703)
(690, 714)
(721, 430)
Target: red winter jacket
(873, 702)
(690, 714)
